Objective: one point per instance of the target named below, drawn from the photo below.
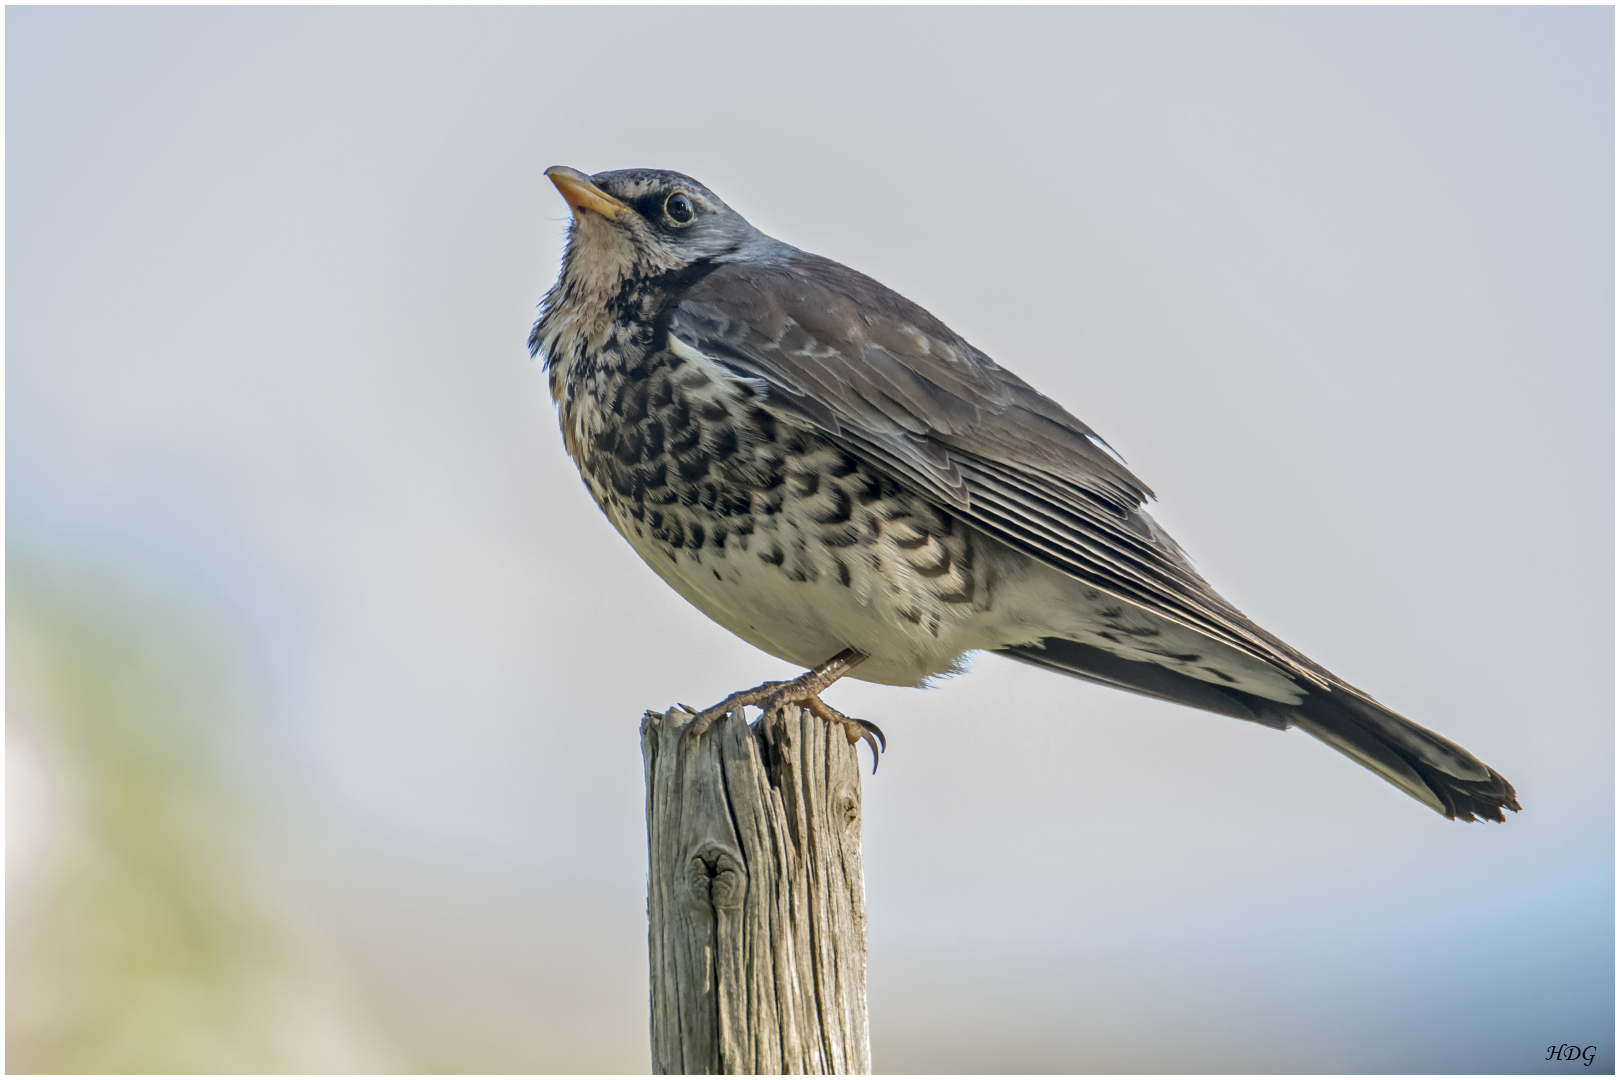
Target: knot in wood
(716, 877)
(846, 805)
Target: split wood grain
(755, 898)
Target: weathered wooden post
(755, 898)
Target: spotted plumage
(827, 470)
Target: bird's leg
(854, 730)
(773, 695)
(804, 691)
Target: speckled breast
(783, 538)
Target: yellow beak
(581, 194)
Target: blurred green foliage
(148, 927)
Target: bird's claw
(701, 721)
(803, 692)
(854, 730)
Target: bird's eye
(679, 208)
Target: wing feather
(896, 386)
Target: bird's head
(638, 223)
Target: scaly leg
(805, 692)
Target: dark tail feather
(1432, 769)
(1452, 780)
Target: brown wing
(896, 386)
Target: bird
(831, 473)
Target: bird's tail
(1430, 768)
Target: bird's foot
(804, 692)
(854, 730)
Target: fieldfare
(835, 476)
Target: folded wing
(894, 385)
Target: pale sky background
(1338, 284)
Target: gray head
(640, 222)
